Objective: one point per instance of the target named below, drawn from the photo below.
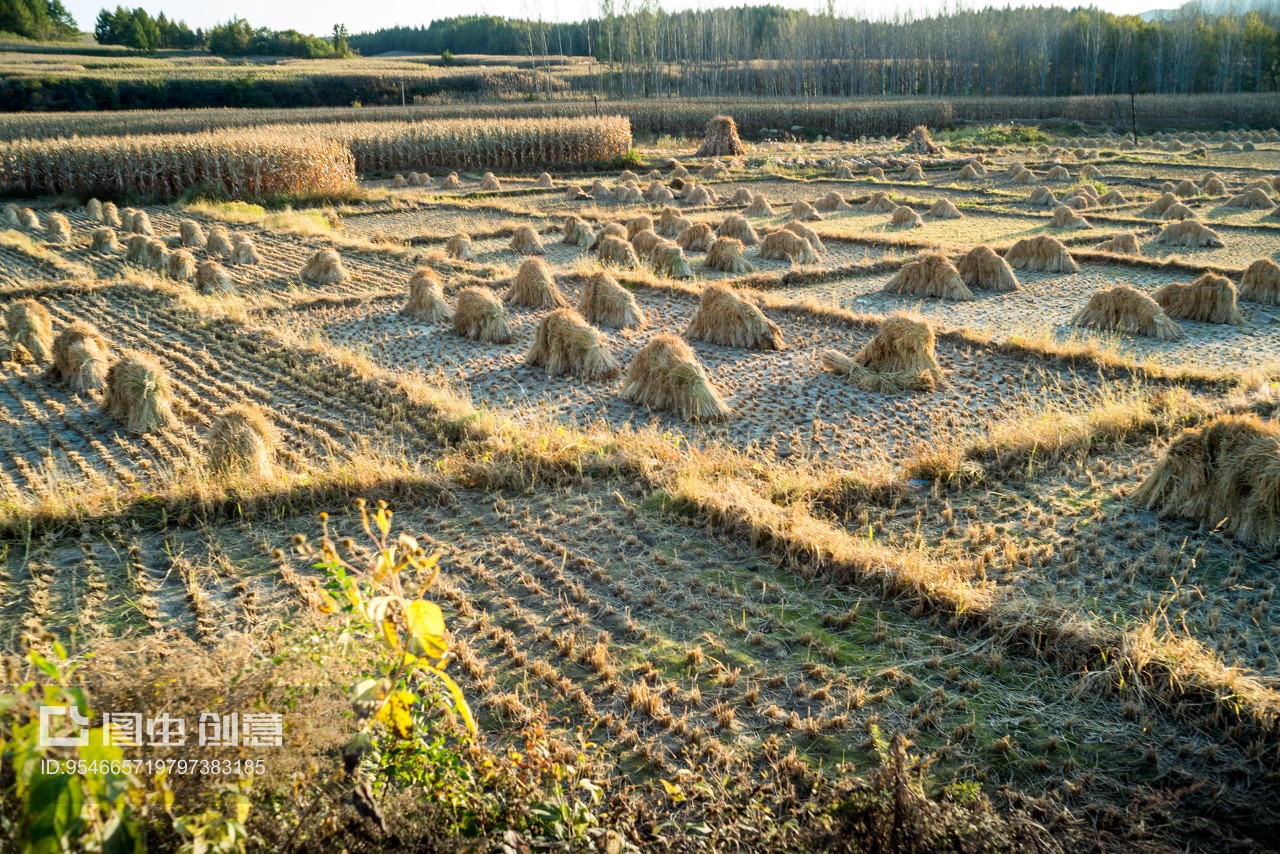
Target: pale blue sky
(319, 16)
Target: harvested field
(886, 514)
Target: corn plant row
(845, 116)
(470, 144)
(242, 164)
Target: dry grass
(1224, 475)
(243, 440)
(1125, 243)
(607, 303)
(723, 317)
(565, 343)
(526, 242)
(720, 139)
(480, 316)
(1042, 197)
(534, 285)
(157, 255)
(190, 234)
(759, 206)
(697, 195)
(645, 242)
(671, 223)
(138, 393)
(785, 245)
(615, 251)
(181, 266)
(1261, 282)
(739, 229)
(459, 246)
(696, 238)
(931, 276)
(905, 217)
(901, 357)
(1187, 189)
(802, 230)
(140, 224)
(1213, 186)
(244, 252)
(879, 202)
(666, 375)
(212, 278)
(1190, 234)
(668, 260)
(104, 240)
(610, 229)
(726, 256)
(804, 212)
(30, 330)
(1177, 213)
(1041, 254)
(831, 203)
(982, 268)
(1126, 309)
(1065, 217)
(945, 209)
(1256, 199)
(58, 229)
(1209, 299)
(137, 250)
(80, 358)
(324, 268)
(637, 224)
(1160, 205)
(426, 298)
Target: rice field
(730, 525)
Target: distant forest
(137, 29)
(42, 20)
(769, 50)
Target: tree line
(136, 28)
(644, 50)
(42, 20)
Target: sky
(318, 17)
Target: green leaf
(54, 804)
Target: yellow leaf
(385, 566)
(459, 701)
(425, 629)
(395, 713)
(383, 520)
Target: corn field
(299, 159)
(840, 116)
(470, 144)
(240, 164)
